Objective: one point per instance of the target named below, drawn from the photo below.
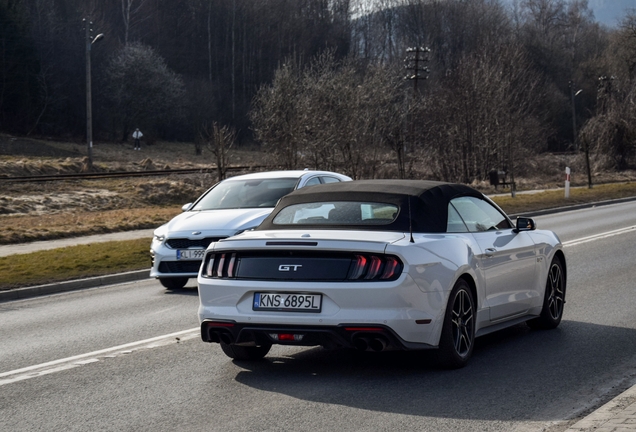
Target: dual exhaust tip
(219, 336)
(370, 343)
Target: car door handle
(490, 252)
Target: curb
(616, 415)
(58, 287)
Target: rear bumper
(364, 337)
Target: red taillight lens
(390, 268)
(209, 266)
(231, 266)
(220, 265)
(374, 267)
(360, 264)
(375, 263)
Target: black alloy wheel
(553, 300)
(458, 334)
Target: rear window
(337, 213)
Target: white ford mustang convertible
(380, 265)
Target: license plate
(195, 254)
(287, 302)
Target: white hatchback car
(230, 207)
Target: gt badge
(289, 267)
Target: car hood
(228, 221)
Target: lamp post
(574, 94)
(89, 108)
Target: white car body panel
(420, 293)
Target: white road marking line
(599, 236)
(94, 356)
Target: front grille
(185, 243)
(179, 266)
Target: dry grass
(527, 203)
(26, 228)
(51, 210)
(73, 262)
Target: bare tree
(219, 140)
(129, 8)
(275, 116)
(486, 116)
(611, 133)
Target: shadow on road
(515, 374)
(187, 291)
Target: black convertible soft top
(425, 201)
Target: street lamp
(89, 109)
(574, 94)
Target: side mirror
(525, 224)
(186, 207)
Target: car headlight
(158, 237)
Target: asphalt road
(128, 357)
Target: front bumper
(164, 263)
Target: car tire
(174, 283)
(238, 352)
(553, 299)
(458, 333)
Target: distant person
(137, 136)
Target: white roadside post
(567, 182)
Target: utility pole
(89, 104)
(413, 63)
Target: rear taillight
(374, 267)
(221, 265)
(361, 267)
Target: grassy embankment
(113, 257)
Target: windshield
(337, 213)
(234, 194)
